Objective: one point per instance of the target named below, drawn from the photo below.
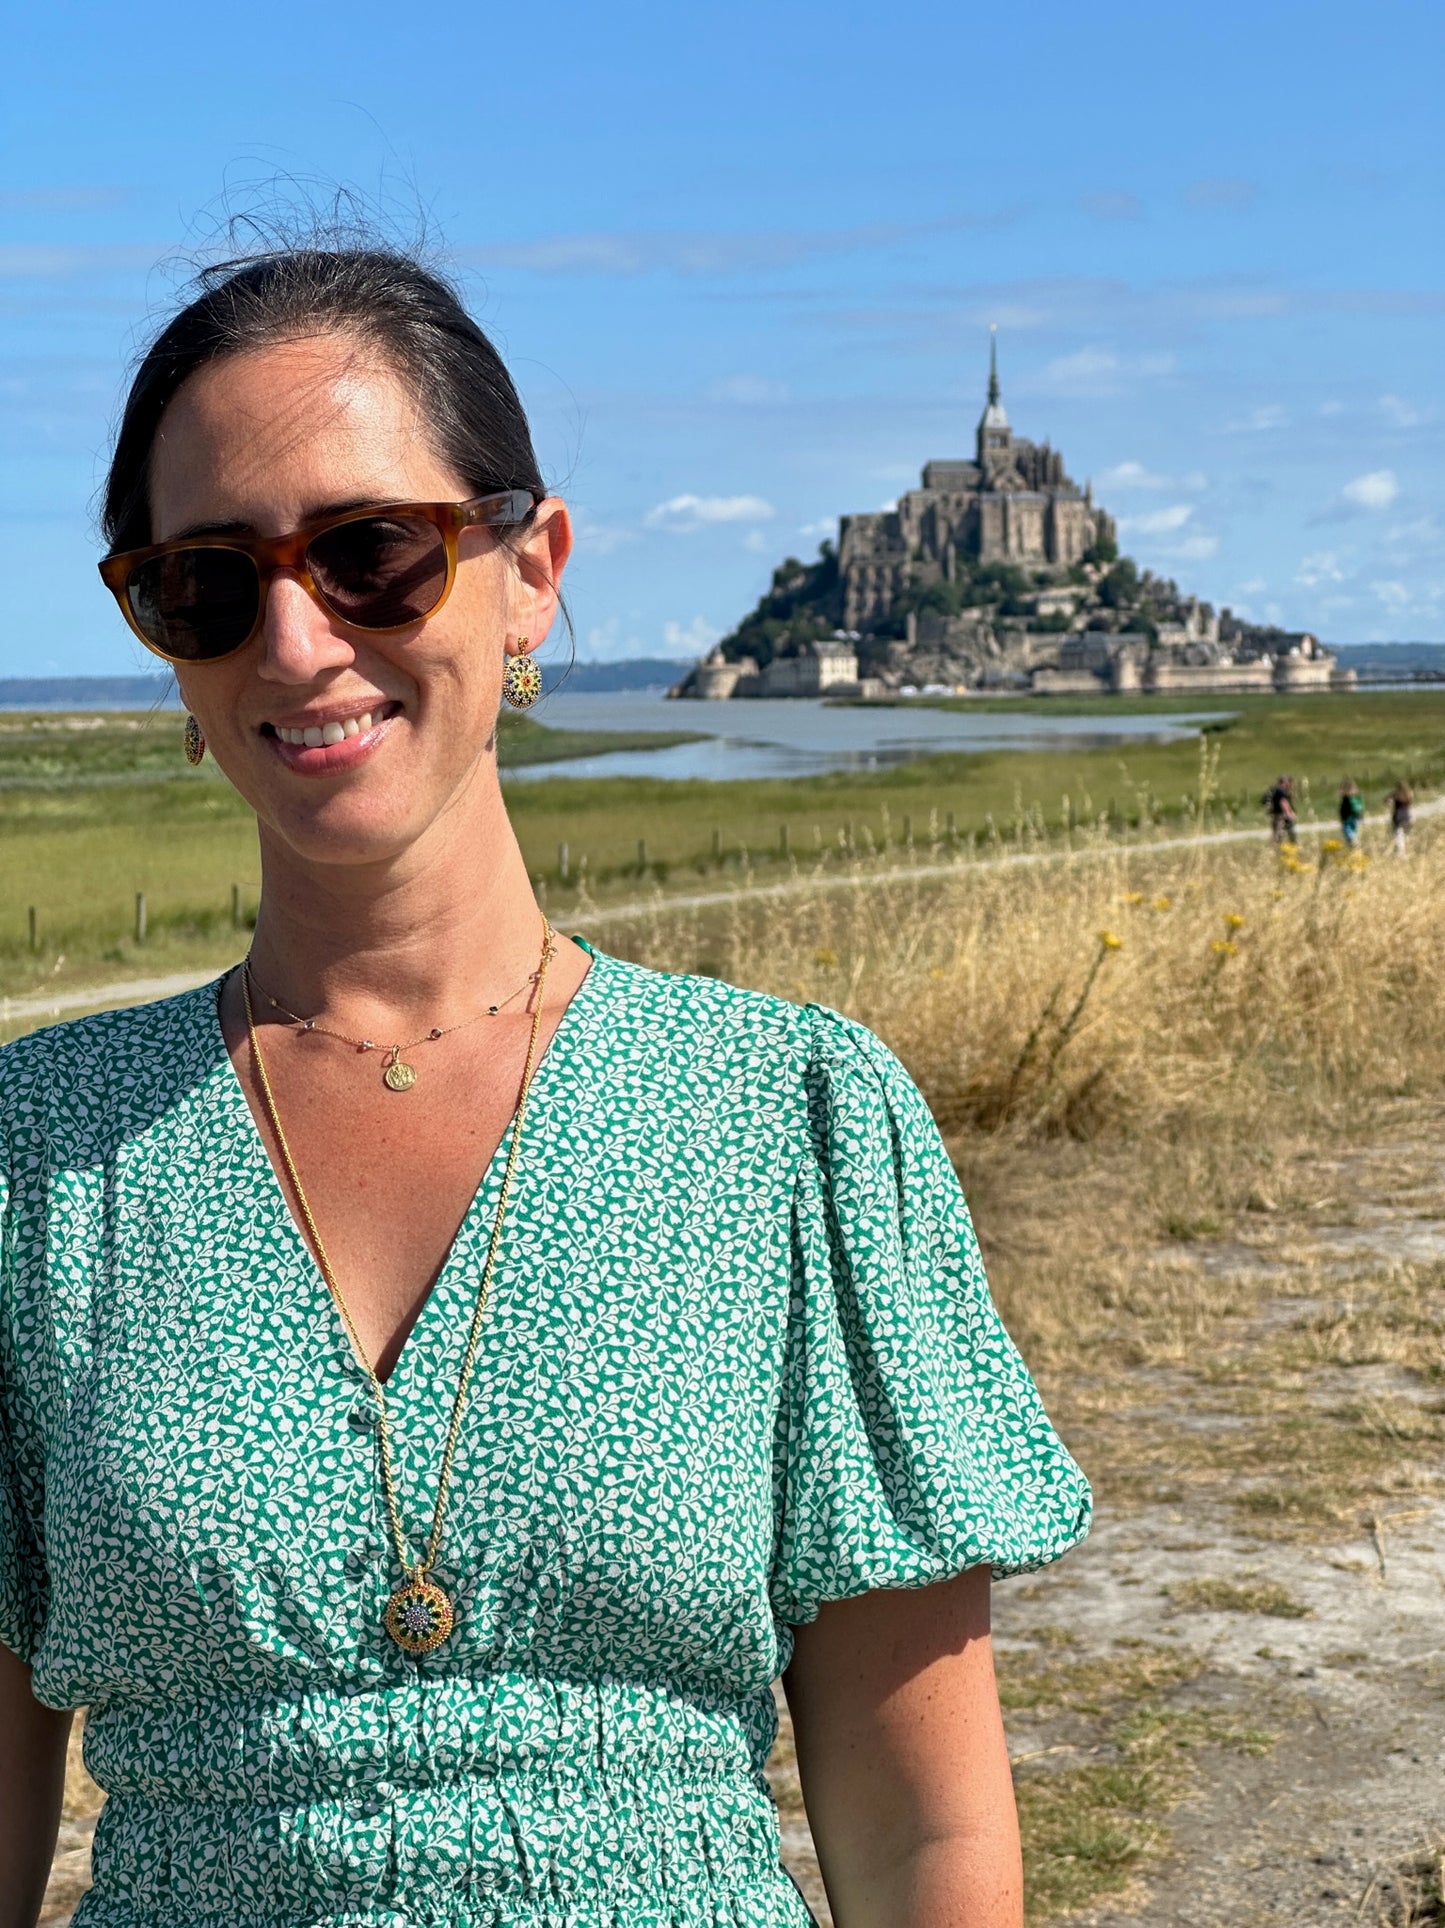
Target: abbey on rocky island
(1012, 504)
(998, 573)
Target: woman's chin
(347, 829)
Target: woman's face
(260, 443)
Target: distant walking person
(1352, 812)
(1278, 800)
(1402, 799)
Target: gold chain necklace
(397, 1074)
(420, 1615)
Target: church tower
(995, 436)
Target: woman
(449, 1374)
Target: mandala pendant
(419, 1617)
(399, 1075)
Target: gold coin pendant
(399, 1076)
(419, 1617)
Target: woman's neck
(419, 940)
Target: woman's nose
(298, 636)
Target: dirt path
(1228, 1707)
(141, 990)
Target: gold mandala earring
(521, 680)
(195, 742)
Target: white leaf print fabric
(740, 1359)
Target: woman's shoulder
(702, 1018)
(91, 1065)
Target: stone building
(1012, 503)
(825, 668)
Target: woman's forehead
(252, 437)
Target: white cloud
(1394, 595)
(1376, 490)
(1401, 414)
(1088, 372)
(1321, 567)
(1424, 533)
(1196, 548)
(1259, 421)
(1332, 408)
(749, 391)
(1255, 586)
(1097, 373)
(596, 538)
(690, 639)
(685, 512)
(756, 543)
(1157, 522)
(608, 642)
(1134, 475)
(826, 525)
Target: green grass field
(94, 810)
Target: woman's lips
(352, 741)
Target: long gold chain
(416, 1571)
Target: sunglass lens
(195, 604)
(380, 572)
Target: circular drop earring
(521, 680)
(195, 742)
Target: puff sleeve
(912, 1443)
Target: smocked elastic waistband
(421, 1732)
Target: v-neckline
(283, 1212)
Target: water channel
(799, 736)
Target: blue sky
(743, 261)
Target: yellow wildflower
(1331, 845)
(825, 959)
(1224, 947)
(1163, 903)
(1110, 942)
(1133, 897)
(1233, 921)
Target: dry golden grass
(1116, 990)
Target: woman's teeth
(333, 732)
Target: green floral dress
(740, 1359)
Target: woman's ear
(542, 556)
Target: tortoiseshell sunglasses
(204, 597)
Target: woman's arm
(902, 1759)
(32, 1784)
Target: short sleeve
(912, 1443)
(22, 1572)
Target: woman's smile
(326, 742)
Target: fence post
(952, 828)
(34, 930)
(716, 844)
(235, 907)
(140, 917)
(641, 855)
(562, 862)
(782, 840)
(908, 831)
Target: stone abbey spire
(1013, 503)
(995, 435)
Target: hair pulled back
(374, 294)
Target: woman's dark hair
(376, 295)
